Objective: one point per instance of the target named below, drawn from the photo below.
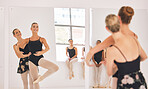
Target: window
(69, 24)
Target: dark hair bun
(129, 11)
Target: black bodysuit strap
(120, 52)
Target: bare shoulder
(75, 48)
(14, 45)
(111, 51)
(135, 35)
(26, 40)
(42, 39)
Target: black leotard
(35, 46)
(23, 63)
(98, 56)
(71, 52)
(129, 75)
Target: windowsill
(61, 53)
(79, 60)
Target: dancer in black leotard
(97, 58)
(71, 53)
(23, 67)
(125, 14)
(35, 46)
(36, 58)
(126, 58)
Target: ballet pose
(35, 43)
(23, 67)
(125, 56)
(83, 63)
(71, 53)
(125, 16)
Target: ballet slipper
(73, 75)
(38, 79)
(101, 87)
(70, 76)
(95, 86)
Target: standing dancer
(125, 14)
(83, 63)
(125, 55)
(23, 67)
(35, 43)
(97, 58)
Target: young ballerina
(83, 63)
(35, 43)
(125, 56)
(97, 58)
(23, 67)
(71, 53)
(125, 16)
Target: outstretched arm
(106, 43)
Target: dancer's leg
(71, 65)
(47, 65)
(114, 82)
(83, 68)
(25, 80)
(68, 65)
(34, 74)
(30, 81)
(95, 77)
(99, 71)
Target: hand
(103, 62)
(38, 53)
(22, 52)
(26, 55)
(82, 57)
(90, 65)
(29, 54)
(69, 59)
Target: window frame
(70, 26)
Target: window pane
(62, 16)
(62, 34)
(78, 17)
(78, 35)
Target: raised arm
(106, 43)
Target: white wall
(2, 40)
(22, 19)
(139, 4)
(138, 25)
